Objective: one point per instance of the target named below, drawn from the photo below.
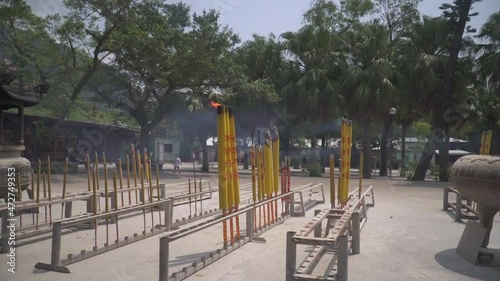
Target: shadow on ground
(450, 260)
(188, 259)
(422, 184)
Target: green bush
(434, 171)
(315, 170)
(409, 170)
(295, 162)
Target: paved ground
(407, 237)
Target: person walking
(177, 164)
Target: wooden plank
(340, 226)
(315, 241)
(311, 261)
(316, 221)
(307, 277)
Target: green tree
(318, 59)
(458, 14)
(196, 60)
(489, 59)
(317, 87)
(24, 44)
(397, 16)
(86, 38)
(446, 95)
(367, 85)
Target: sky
(247, 17)
(262, 17)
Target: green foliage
(398, 15)
(295, 162)
(434, 171)
(420, 129)
(142, 62)
(25, 44)
(196, 145)
(409, 170)
(315, 170)
(42, 136)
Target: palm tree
(429, 44)
(490, 52)
(424, 47)
(313, 53)
(367, 85)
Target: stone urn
(10, 151)
(10, 157)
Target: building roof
(53, 121)
(415, 140)
(8, 99)
(456, 152)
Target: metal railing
(250, 234)
(308, 197)
(37, 228)
(167, 225)
(340, 234)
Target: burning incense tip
(214, 104)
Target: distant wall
(71, 136)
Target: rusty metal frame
(341, 236)
(459, 209)
(305, 205)
(30, 231)
(251, 233)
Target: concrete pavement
(407, 237)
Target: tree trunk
(285, 139)
(367, 149)
(314, 158)
(426, 158)
(383, 148)
(204, 147)
(323, 156)
(245, 158)
(444, 159)
(404, 130)
(463, 13)
(144, 139)
(313, 142)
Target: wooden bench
(331, 248)
(462, 207)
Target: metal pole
(1, 126)
(164, 252)
(342, 262)
(291, 255)
(458, 208)
(20, 113)
(189, 192)
(356, 234)
(445, 199)
(168, 214)
(291, 202)
(317, 230)
(390, 145)
(56, 244)
(250, 224)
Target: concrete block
(470, 243)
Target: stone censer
(12, 143)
